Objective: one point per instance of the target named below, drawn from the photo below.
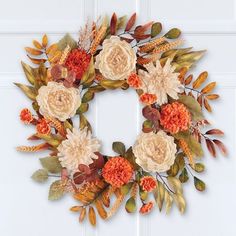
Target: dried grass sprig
(32, 148)
(187, 151)
(98, 39)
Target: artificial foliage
(117, 54)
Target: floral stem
(163, 181)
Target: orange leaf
(82, 215)
(100, 209)
(215, 132)
(92, 216)
(207, 105)
(33, 51)
(211, 147)
(52, 49)
(200, 80)
(212, 96)
(113, 24)
(45, 41)
(188, 80)
(199, 99)
(76, 208)
(37, 44)
(130, 22)
(209, 87)
(36, 60)
(221, 146)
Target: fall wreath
(116, 54)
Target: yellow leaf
(180, 202)
(29, 91)
(92, 216)
(209, 88)
(33, 51)
(45, 41)
(200, 80)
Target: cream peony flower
(116, 60)
(78, 148)
(155, 152)
(161, 81)
(57, 101)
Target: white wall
(24, 209)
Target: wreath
(116, 54)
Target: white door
(24, 209)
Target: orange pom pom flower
(26, 116)
(148, 183)
(134, 81)
(175, 117)
(148, 98)
(42, 127)
(146, 208)
(117, 171)
(78, 61)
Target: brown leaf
(37, 44)
(33, 51)
(188, 80)
(128, 40)
(140, 36)
(200, 80)
(212, 96)
(209, 88)
(191, 94)
(215, 132)
(130, 22)
(211, 147)
(207, 105)
(113, 24)
(92, 216)
(199, 99)
(82, 215)
(221, 146)
(45, 41)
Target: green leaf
(174, 169)
(40, 175)
(169, 201)
(56, 190)
(175, 184)
(193, 106)
(89, 75)
(198, 167)
(121, 22)
(84, 122)
(173, 33)
(143, 195)
(112, 84)
(180, 202)
(130, 205)
(119, 148)
(83, 108)
(129, 155)
(156, 29)
(51, 139)
(147, 126)
(88, 96)
(67, 40)
(126, 188)
(159, 194)
(199, 184)
(52, 164)
(29, 72)
(184, 176)
(180, 160)
(29, 91)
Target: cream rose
(57, 101)
(155, 152)
(116, 60)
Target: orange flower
(134, 81)
(26, 116)
(117, 171)
(42, 127)
(148, 183)
(146, 208)
(148, 98)
(175, 117)
(78, 61)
